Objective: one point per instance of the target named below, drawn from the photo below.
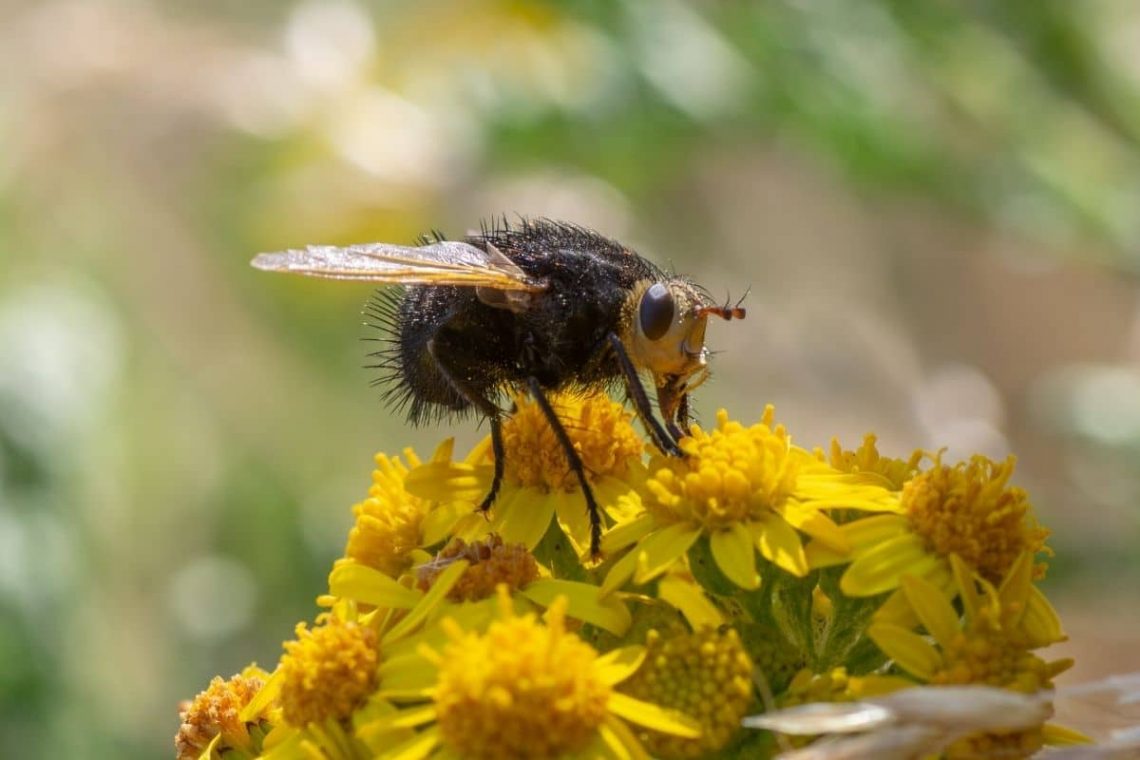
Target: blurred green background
(935, 205)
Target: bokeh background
(936, 206)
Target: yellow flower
(328, 671)
(492, 563)
(745, 488)
(968, 510)
(537, 482)
(488, 564)
(706, 675)
(212, 722)
(836, 685)
(991, 646)
(892, 473)
(521, 689)
(329, 674)
(391, 523)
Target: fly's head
(665, 335)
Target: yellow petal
(408, 675)
(934, 610)
(658, 551)
(896, 609)
(881, 568)
(620, 573)
(909, 650)
(819, 556)
(416, 748)
(1014, 589)
(817, 525)
(780, 545)
(439, 523)
(436, 594)
(735, 555)
(449, 481)
(584, 603)
(624, 534)
(653, 716)
(1061, 736)
(620, 741)
(967, 587)
(353, 580)
(573, 517)
(523, 517)
(619, 664)
(1041, 621)
(265, 696)
(689, 598)
(409, 717)
(868, 532)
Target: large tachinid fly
(537, 306)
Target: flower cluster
(747, 575)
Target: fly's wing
(443, 263)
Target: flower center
(215, 711)
(986, 654)
(520, 690)
(732, 474)
(599, 429)
(388, 522)
(969, 510)
(706, 675)
(492, 563)
(328, 671)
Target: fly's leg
(662, 439)
(679, 428)
(575, 463)
(489, 410)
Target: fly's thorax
(664, 329)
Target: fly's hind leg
(575, 463)
(489, 410)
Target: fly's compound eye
(656, 311)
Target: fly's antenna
(728, 311)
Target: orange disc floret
(216, 711)
(492, 563)
(971, 510)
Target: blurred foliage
(181, 438)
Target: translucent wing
(443, 263)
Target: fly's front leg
(680, 428)
(662, 438)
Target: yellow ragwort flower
(537, 481)
(522, 689)
(968, 510)
(991, 646)
(212, 721)
(328, 671)
(891, 472)
(706, 675)
(836, 685)
(492, 563)
(391, 523)
(746, 489)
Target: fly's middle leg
(575, 463)
(489, 410)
